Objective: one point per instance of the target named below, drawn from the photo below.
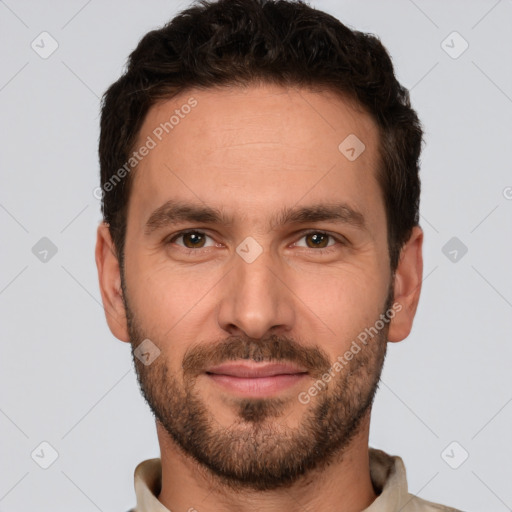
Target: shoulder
(388, 476)
(416, 504)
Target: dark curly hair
(282, 42)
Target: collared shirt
(387, 473)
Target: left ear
(407, 286)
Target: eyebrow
(173, 212)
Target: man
(260, 247)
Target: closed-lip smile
(250, 378)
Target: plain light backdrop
(446, 391)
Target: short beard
(255, 452)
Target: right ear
(109, 276)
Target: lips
(251, 370)
(250, 379)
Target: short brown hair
(282, 42)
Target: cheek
(166, 300)
(172, 310)
(340, 305)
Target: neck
(343, 486)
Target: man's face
(257, 281)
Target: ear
(407, 286)
(109, 276)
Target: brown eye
(315, 240)
(319, 242)
(192, 240)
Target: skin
(251, 152)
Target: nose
(256, 299)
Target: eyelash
(323, 250)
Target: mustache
(273, 348)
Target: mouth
(256, 379)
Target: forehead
(256, 148)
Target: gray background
(67, 381)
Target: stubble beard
(259, 451)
